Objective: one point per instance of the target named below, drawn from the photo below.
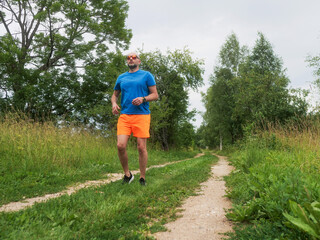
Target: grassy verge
(40, 158)
(113, 211)
(274, 168)
(226, 151)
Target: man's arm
(114, 99)
(153, 96)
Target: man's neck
(133, 70)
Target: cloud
(292, 27)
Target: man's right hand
(115, 109)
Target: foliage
(263, 230)
(314, 62)
(273, 168)
(186, 135)
(175, 73)
(55, 55)
(247, 89)
(262, 92)
(56, 62)
(93, 107)
(307, 218)
(219, 100)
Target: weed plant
(273, 168)
(112, 211)
(39, 157)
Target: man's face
(133, 61)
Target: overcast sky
(291, 26)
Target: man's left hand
(137, 101)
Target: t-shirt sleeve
(151, 81)
(117, 85)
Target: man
(137, 88)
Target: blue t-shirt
(133, 85)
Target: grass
(112, 211)
(38, 158)
(273, 167)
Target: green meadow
(39, 158)
(112, 211)
(275, 188)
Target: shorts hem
(141, 137)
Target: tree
(248, 88)
(175, 73)
(262, 92)
(314, 62)
(220, 101)
(231, 55)
(93, 106)
(51, 47)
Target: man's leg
(143, 156)
(122, 153)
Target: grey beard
(132, 66)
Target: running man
(137, 88)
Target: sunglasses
(134, 57)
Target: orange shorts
(137, 124)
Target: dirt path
(17, 206)
(203, 215)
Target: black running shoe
(128, 179)
(142, 182)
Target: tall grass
(39, 157)
(301, 140)
(36, 158)
(278, 165)
(29, 145)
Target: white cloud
(292, 27)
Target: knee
(142, 149)
(121, 147)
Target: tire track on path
(111, 177)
